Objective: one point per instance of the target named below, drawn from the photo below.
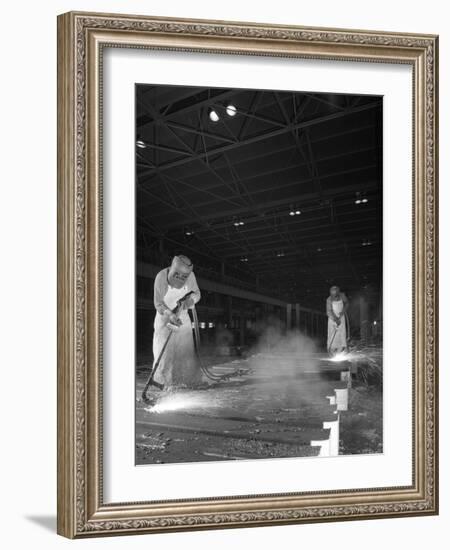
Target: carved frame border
(81, 37)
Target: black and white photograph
(258, 275)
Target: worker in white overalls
(179, 365)
(337, 305)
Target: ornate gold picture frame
(82, 38)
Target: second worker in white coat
(337, 304)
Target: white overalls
(179, 365)
(337, 334)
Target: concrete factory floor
(282, 406)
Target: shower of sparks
(344, 356)
(182, 401)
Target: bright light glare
(344, 356)
(182, 401)
(213, 115)
(231, 110)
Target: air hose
(204, 368)
(347, 327)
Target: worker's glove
(174, 323)
(189, 302)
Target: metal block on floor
(324, 445)
(346, 376)
(334, 435)
(341, 399)
(332, 399)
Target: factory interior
(275, 196)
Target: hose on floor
(347, 327)
(207, 372)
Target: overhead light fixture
(231, 110)
(361, 199)
(244, 259)
(213, 115)
(237, 223)
(319, 249)
(280, 254)
(294, 211)
(366, 243)
(189, 232)
(141, 144)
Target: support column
(229, 315)
(288, 316)
(363, 319)
(206, 326)
(241, 329)
(297, 316)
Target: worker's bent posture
(179, 366)
(337, 304)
